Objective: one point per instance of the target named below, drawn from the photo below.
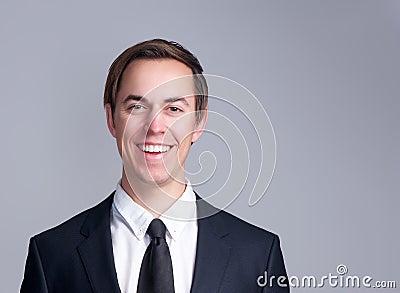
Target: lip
(154, 156)
(153, 144)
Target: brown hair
(157, 49)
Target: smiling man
(154, 122)
(154, 233)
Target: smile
(154, 148)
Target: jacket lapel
(96, 250)
(213, 250)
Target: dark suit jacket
(77, 255)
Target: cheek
(184, 147)
(183, 135)
(127, 126)
(183, 128)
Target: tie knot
(156, 229)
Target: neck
(154, 198)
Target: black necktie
(156, 271)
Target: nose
(155, 124)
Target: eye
(174, 109)
(136, 107)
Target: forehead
(166, 76)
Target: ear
(110, 120)
(200, 126)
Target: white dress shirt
(129, 223)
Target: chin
(156, 179)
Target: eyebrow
(176, 99)
(168, 100)
(133, 98)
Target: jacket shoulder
(241, 229)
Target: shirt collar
(139, 219)
(182, 211)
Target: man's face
(154, 121)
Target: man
(142, 238)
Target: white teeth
(154, 148)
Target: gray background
(327, 72)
